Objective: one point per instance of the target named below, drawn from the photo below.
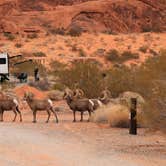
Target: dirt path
(76, 144)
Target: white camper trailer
(4, 64)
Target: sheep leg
(89, 115)
(15, 115)
(48, 112)
(55, 114)
(1, 113)
(81, 117)
(74, 114)
(17, 109)
(34, 116)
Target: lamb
(40, 105)
(9, 105)
(80, 105)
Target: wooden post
(133, 117)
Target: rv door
(4, 64)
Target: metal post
(133, 117)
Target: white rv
(4, 64)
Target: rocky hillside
(110, 16)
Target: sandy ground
(66, 49)
(76, 144)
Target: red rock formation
(100, 15)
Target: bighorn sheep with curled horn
(40, 105)
(79, 93)
(9, 105)
(80, 105)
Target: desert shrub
(57, 31)
(146, 28)
(100, 51)
(113, 55)
(154, 53)
(57, 67)
(42, 84)
(29, 67)
(82, 53)
(32, 36)
(39, 54)
(58, 86)
(119, 80)
(128, 55)
(18, 45)
(87, 75)
(55, 95)
(75, 31)
(9, 36)
(154, 115)
(143, 49)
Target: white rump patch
(100, 103)
(15, 102)
(50, 102)
(91, 102)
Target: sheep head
(28, 96)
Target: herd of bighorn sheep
(75, 100)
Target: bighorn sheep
(40, 105)
(80, 105)
(79, 93)
(105, 96)
(9, 105)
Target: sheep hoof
(33, 121)
(81, 120)
(21, 120)
(74, 121)
(1, 120)
(57, 121)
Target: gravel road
(77, 144)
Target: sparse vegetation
(114, 56)
(9, 36)
(75, 31)
(39, 54)
(32, 36)
(57, 31)
(82, 53)
(143, 49)
(154, 53)
(18, 45)
(86, 74)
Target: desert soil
(76, 144)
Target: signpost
(133, 117)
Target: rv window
(2, 61)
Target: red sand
(20, 91)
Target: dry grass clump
(143, 49)
(114, 56)
(115, 114)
